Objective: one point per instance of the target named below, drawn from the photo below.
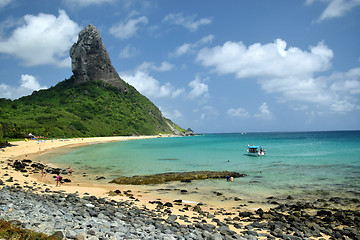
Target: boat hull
(256, 154)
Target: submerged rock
(175, 176)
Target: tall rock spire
(90, 61)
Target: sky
(212, 66)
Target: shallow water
(325, 163)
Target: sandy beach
(141, 196)
(30, 149)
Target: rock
(224, 230)
(100, 178)
(91, 62)
(58, 234)
(168, 204)
(216, 236)
(245, 214)
(172, 218)
(323, 213)
(174, 176)
(259, 211)
(277, 233)
(81, 236)
(10, 179)
(197, 209)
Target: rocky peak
(90, 60)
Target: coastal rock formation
(90, 60)
(174, 176)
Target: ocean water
(325, 163)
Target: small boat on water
(256, 150)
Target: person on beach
(228, 178)
(58, 180)
(43, 172)
(70, 171)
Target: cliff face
(91, 61)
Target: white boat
(256, 150)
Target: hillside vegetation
(93, 108)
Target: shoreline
(140, 196)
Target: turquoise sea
(325, 163)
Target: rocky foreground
(71, 217)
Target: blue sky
(213, 66)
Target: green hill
(92, 108)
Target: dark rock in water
(91, 61)
(175, 176)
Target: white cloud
(289, 72)
(86, 3)
(128, 52)
(151, 87)
(198, 88)
(272, 59)
(208, 112)
(240, 113)
(171, 114)
(150, 66)
(336, 8)
(348, 82)
(188, 22)
(264, 112)
(191, 47)
(3, 3)
(124, 30)
(28, 84)
(43, 39)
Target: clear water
(295, 163)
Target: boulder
(91, 62)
